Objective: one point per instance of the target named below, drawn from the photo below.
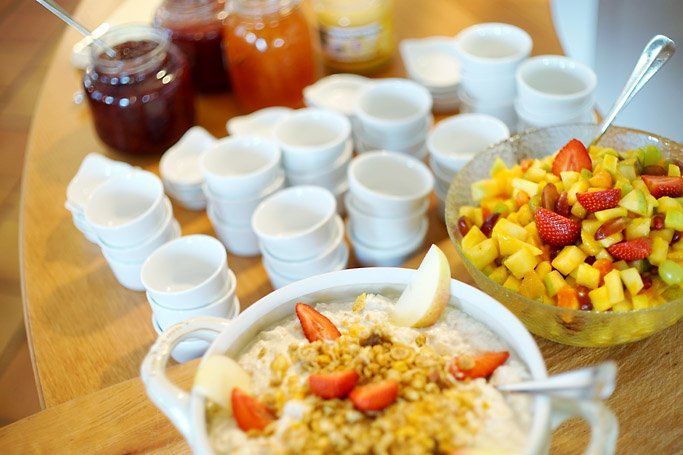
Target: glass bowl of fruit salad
(581, 244)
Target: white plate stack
(387, 204)
(131, 217)
(186, 278)
(239, 173)
(179, 168)
(300, 234)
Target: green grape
(670, 272)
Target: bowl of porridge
(373, 360)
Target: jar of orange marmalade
(270, 53)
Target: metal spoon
(656, 53)
(592, 383)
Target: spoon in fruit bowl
(656, 53)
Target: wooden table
(88, 334)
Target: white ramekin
(240, 240)
(373, 256)
(126, 273)
(341, 260)
(491, 48)
(179, 165)
(330, 177)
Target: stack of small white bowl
(489, 55)
(179, 168)
(260, 123)
(393, 115)
(94, 170)
(554, 90)
(300, 234)
(239, 173)
(387, 204)
(131, 217)
(455, 141)
(189, 277)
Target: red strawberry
(479, 366)
(332, 385)
(631, 250)
(599, 200)
(664, 186)
(572, 157)
(555, 229)
(249, 413)
(315, 325)
(374, 397)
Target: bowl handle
(169, 398)
(603, 423)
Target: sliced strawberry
(599, 200)
(479, 366)
(631, 250)
(250, 414)
(664, 186)
(555, 229)
(315, 325)
(374, 397)
(572, 157)
(332, 385)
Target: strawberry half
(660, 185)
(631, 250)
(315, 325)
(332, 385)
(479, 366)
(555, 229)
(599, 200)
(250, 414)
(572, 157)
(374, 397)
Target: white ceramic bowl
(312, 139)
(259, 124)
(432, 62)
(389, 184)
(240, 167)
(94, 170)
(186, 350)
(239, 240)
(503, 112)
(126, 209)
(330, 177)
(491, 88)
(296, 223)
(278, 280)
(187, 272)
(526, 121)
(196, 204)
(338, 92)
(492, 48)
(377, 142)
(179, 165)
(126, 273)
(372, 256)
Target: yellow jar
(357, 36)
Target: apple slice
(217, 376)
(425, 298)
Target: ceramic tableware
(94, 170)
(259, 124)
(126, 273)
(432, 62)
(278, 280)
(394, 256)
(186, 350)
(330, 177)
(240, 240)
(179, 165)
(492, 48)
(337, 92)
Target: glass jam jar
(270, 53)
(196, 27)
(141, 98)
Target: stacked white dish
(300, 234)
(387, 204)
(554, 90)
(239, 173)
(393, 115)
(179, 168)
(455, 141)
(185, 278)
(337, 92)
(93, 171)
(131, 217)
(260, 123)
(489, 55)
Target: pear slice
(217, 376)
(425, 298)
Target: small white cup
(186, 350)
(260, 123)
(312, 139)
(187, 272)
(93, 171)
(126, 273)
(389, 184)
(388, 141)
(338, 92)
(492, 48)
(126, 209)
(239, 240)
(386, 257)
(179, 165)
(490, 88)
(278, 280)
(240, 167)
(527, 120)
(330, 177)
(296, 223)
(503, 112)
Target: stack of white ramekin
(393, 115)
(387, 204)
(300, 234)
(489, 55)
(239, 172)
(189, 277)
(131, 217)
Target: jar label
(351, 44)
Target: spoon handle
(656, 53)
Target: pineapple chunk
(632, 280)
(499, 275)
(482, 254)
(674, 171)
(498, 165)
(603, 254)
(512, 283)
(588, 276)
(524, 215)
(579, 187)
(605, 215)
(509, 245)
(543, 268)
(637, 228)
(660, 249)
(665, 234)
(569, 178)
(622, 307)
(590, 226)
(569, 259)
(589, 245)
(535, 174)
(600, 299)
(611, 240)
(532, 286)
(503, 226)
(614, 287)
(529, 187)
(485, 188)
(554, 282)
(473, 237)
(640, 302)
(521, 262)
(578, 210)
(475, 214)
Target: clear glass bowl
(574, 327)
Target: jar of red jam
(139, 89)
(196, 27)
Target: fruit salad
(592, 229)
